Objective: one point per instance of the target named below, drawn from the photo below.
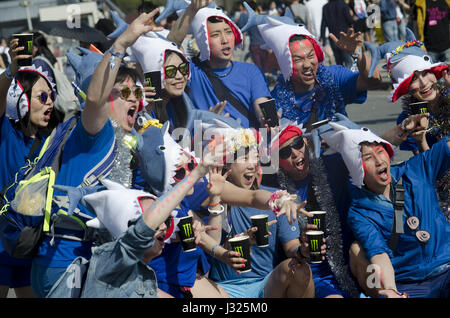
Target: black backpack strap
(397, 226)
(223, 93)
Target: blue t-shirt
(263, 259)
(14, 149)
(246, 81)
(371, 217)
(345, 82)
(82, 152)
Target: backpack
(31, 210)
(66, 102)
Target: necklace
(227, 73)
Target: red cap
(287, 133)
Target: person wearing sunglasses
(27, 116)
(96, 138)
(403, 235)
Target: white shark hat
(199, 28)
(17, 103)
(347, 142)
(276, 36)
(402, 72)
(150, 52)
(115, 207)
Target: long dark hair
(28, 79)
(41, 43)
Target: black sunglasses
(43, 97)
(171, 70)
(286, 152)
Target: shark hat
(17, 103)
(199, 28)
(277, 35)
(115, 207)
(347, 142)
(151, 51)
(158, 155)
(403, 60)
(84, 66)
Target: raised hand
(14, 53)
(141, 25)
(350, 42)
(217, 180)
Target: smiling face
(174, 86)
(40, 112)
(221, 43)
(376, 166)
(244, 171)
(305, 64)
(297, 164)
(124, 108)
(423, 86)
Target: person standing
(432, 27)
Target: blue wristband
(213, 249)
(8, 72)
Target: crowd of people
(96, 180)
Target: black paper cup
(318, 219)
(153, 79)
(186, 233)
(419, 108)
(25, 40)
(262, 235)
(315, 240)
(241, 244)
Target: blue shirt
(371, 217)
(14, 149)
(82, 152)
(263, 259)
(246, 82)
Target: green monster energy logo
(30, 46)
(317, 223)
(314, 245)
(423, 110)
(267, 226)
(239, 250)
(148, 81)
(187, 228)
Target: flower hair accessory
(241, 138)
(399, 49)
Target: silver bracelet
(214, 212)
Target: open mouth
(426, 92)
(131, 114)
(299, 163)
(226, 50)
(383, 174)
(309, 75)
(48, 113)
(249, 177)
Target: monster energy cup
(262, 234)
(25, 40)
(318, 219)
(241, 244)
(186, 233)
(315, 240)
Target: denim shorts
(43, 278)
(245, 287)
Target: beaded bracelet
(273, 204)
(213, 250)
